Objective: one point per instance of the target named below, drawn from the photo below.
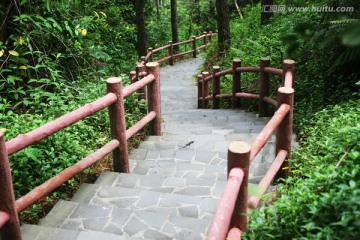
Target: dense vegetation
(55, 56)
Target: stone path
(173, 189)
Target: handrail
(68, 173)
(170, 57)
(221, 220)
(228, 221)
(4, 218)
(253, 201)
(261, 139)
(273, 71)
(24, 140)
(248, 69)
(137, 85)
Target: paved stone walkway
(173, 189)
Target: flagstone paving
(176, 179)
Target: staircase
(176, 179)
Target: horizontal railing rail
(171, 55)
(230, 218)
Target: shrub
(321, 199)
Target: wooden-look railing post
(140, 68)
(194, 46)
(210, 36)
(151, 58)
(215, 87)
(171, 53)
(236, 83)
(288, 66)
(133, 76)
(239, 156)
(205, 39)
(11, 229)
(285, 129)
(199, 80)
(143, 59)
(154, 98)
(205, 89)
(264, 88)
(118, 126)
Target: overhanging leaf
(14, 53)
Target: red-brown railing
(146, 80)
(114, 101)
(230, 218)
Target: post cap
(113, 80)
(236, 60)
(239, 147)
(205, 73)
(286, 90)
(152, 64)
(289, 61)
(216, 68)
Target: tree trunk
(140, 26)
(157, 2)
(174, 25)
(266, 14)
(8, 8)
(223, 23)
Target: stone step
(200, 168)
(163, 184)
(195, 202)
(125, 222)
(33, 232)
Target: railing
(114, 101)
(171, 55)
(230, 218)
(145, 80)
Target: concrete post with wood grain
(140, 70)
(171, 53)
(194, 46)
(264, 88)
(205, 89)
(143, 59)
(239, 156)
(285, 129)
(118, 126)
(288, 66)
(154, 98)
(133, 76)
(236, 83)
(199, 80)
(151, 58)
(216, 87)
(205, 39)
(11, 228)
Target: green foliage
(321, 198)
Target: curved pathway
(176, 179)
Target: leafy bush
(321, 200)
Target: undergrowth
(321, 198)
